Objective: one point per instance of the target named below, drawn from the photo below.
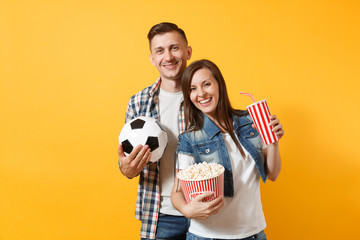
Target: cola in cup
(260, 114)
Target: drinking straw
(248, 94)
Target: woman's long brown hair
(194, 119)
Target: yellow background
(68, 68)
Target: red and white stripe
(192, 188)
(260, 114)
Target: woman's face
(204, 92)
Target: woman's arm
(196, 208)
(272, 153)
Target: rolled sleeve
(184, 160)
(129, 111)
(184, 145)
(184, 153)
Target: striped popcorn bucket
(192, 188)
(260, 114)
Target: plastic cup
(260, 114)
(192, 188)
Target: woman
(218, 133)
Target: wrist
(124, 172)
(274, 144)
(185, 211)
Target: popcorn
(201, 171)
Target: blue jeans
(260, 236)
(171, 227)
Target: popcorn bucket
(192, 188)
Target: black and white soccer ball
(144, 131)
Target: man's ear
(152, 60)
(189, 51)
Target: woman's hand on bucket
(198, 209)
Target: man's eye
(159, 51)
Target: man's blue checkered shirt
(146, 103)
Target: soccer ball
(144, 131)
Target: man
(163, 100)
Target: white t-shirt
(242, 215)
(169, 104)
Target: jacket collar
(240, 121)
(211, 129)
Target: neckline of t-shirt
(163, 92)
(226, 134)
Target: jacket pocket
(249, 132)
(208, 151)
(252, 135)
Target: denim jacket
(208, 145)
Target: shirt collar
(154, 89)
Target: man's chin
(174, 77)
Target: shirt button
(252, 133)
(207, 150)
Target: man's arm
(133, 164)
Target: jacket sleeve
(184, 146)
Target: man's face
(169, 54)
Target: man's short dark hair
(165, 27)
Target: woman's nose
(201, 93)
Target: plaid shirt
(146, 103)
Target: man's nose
(168, 55)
